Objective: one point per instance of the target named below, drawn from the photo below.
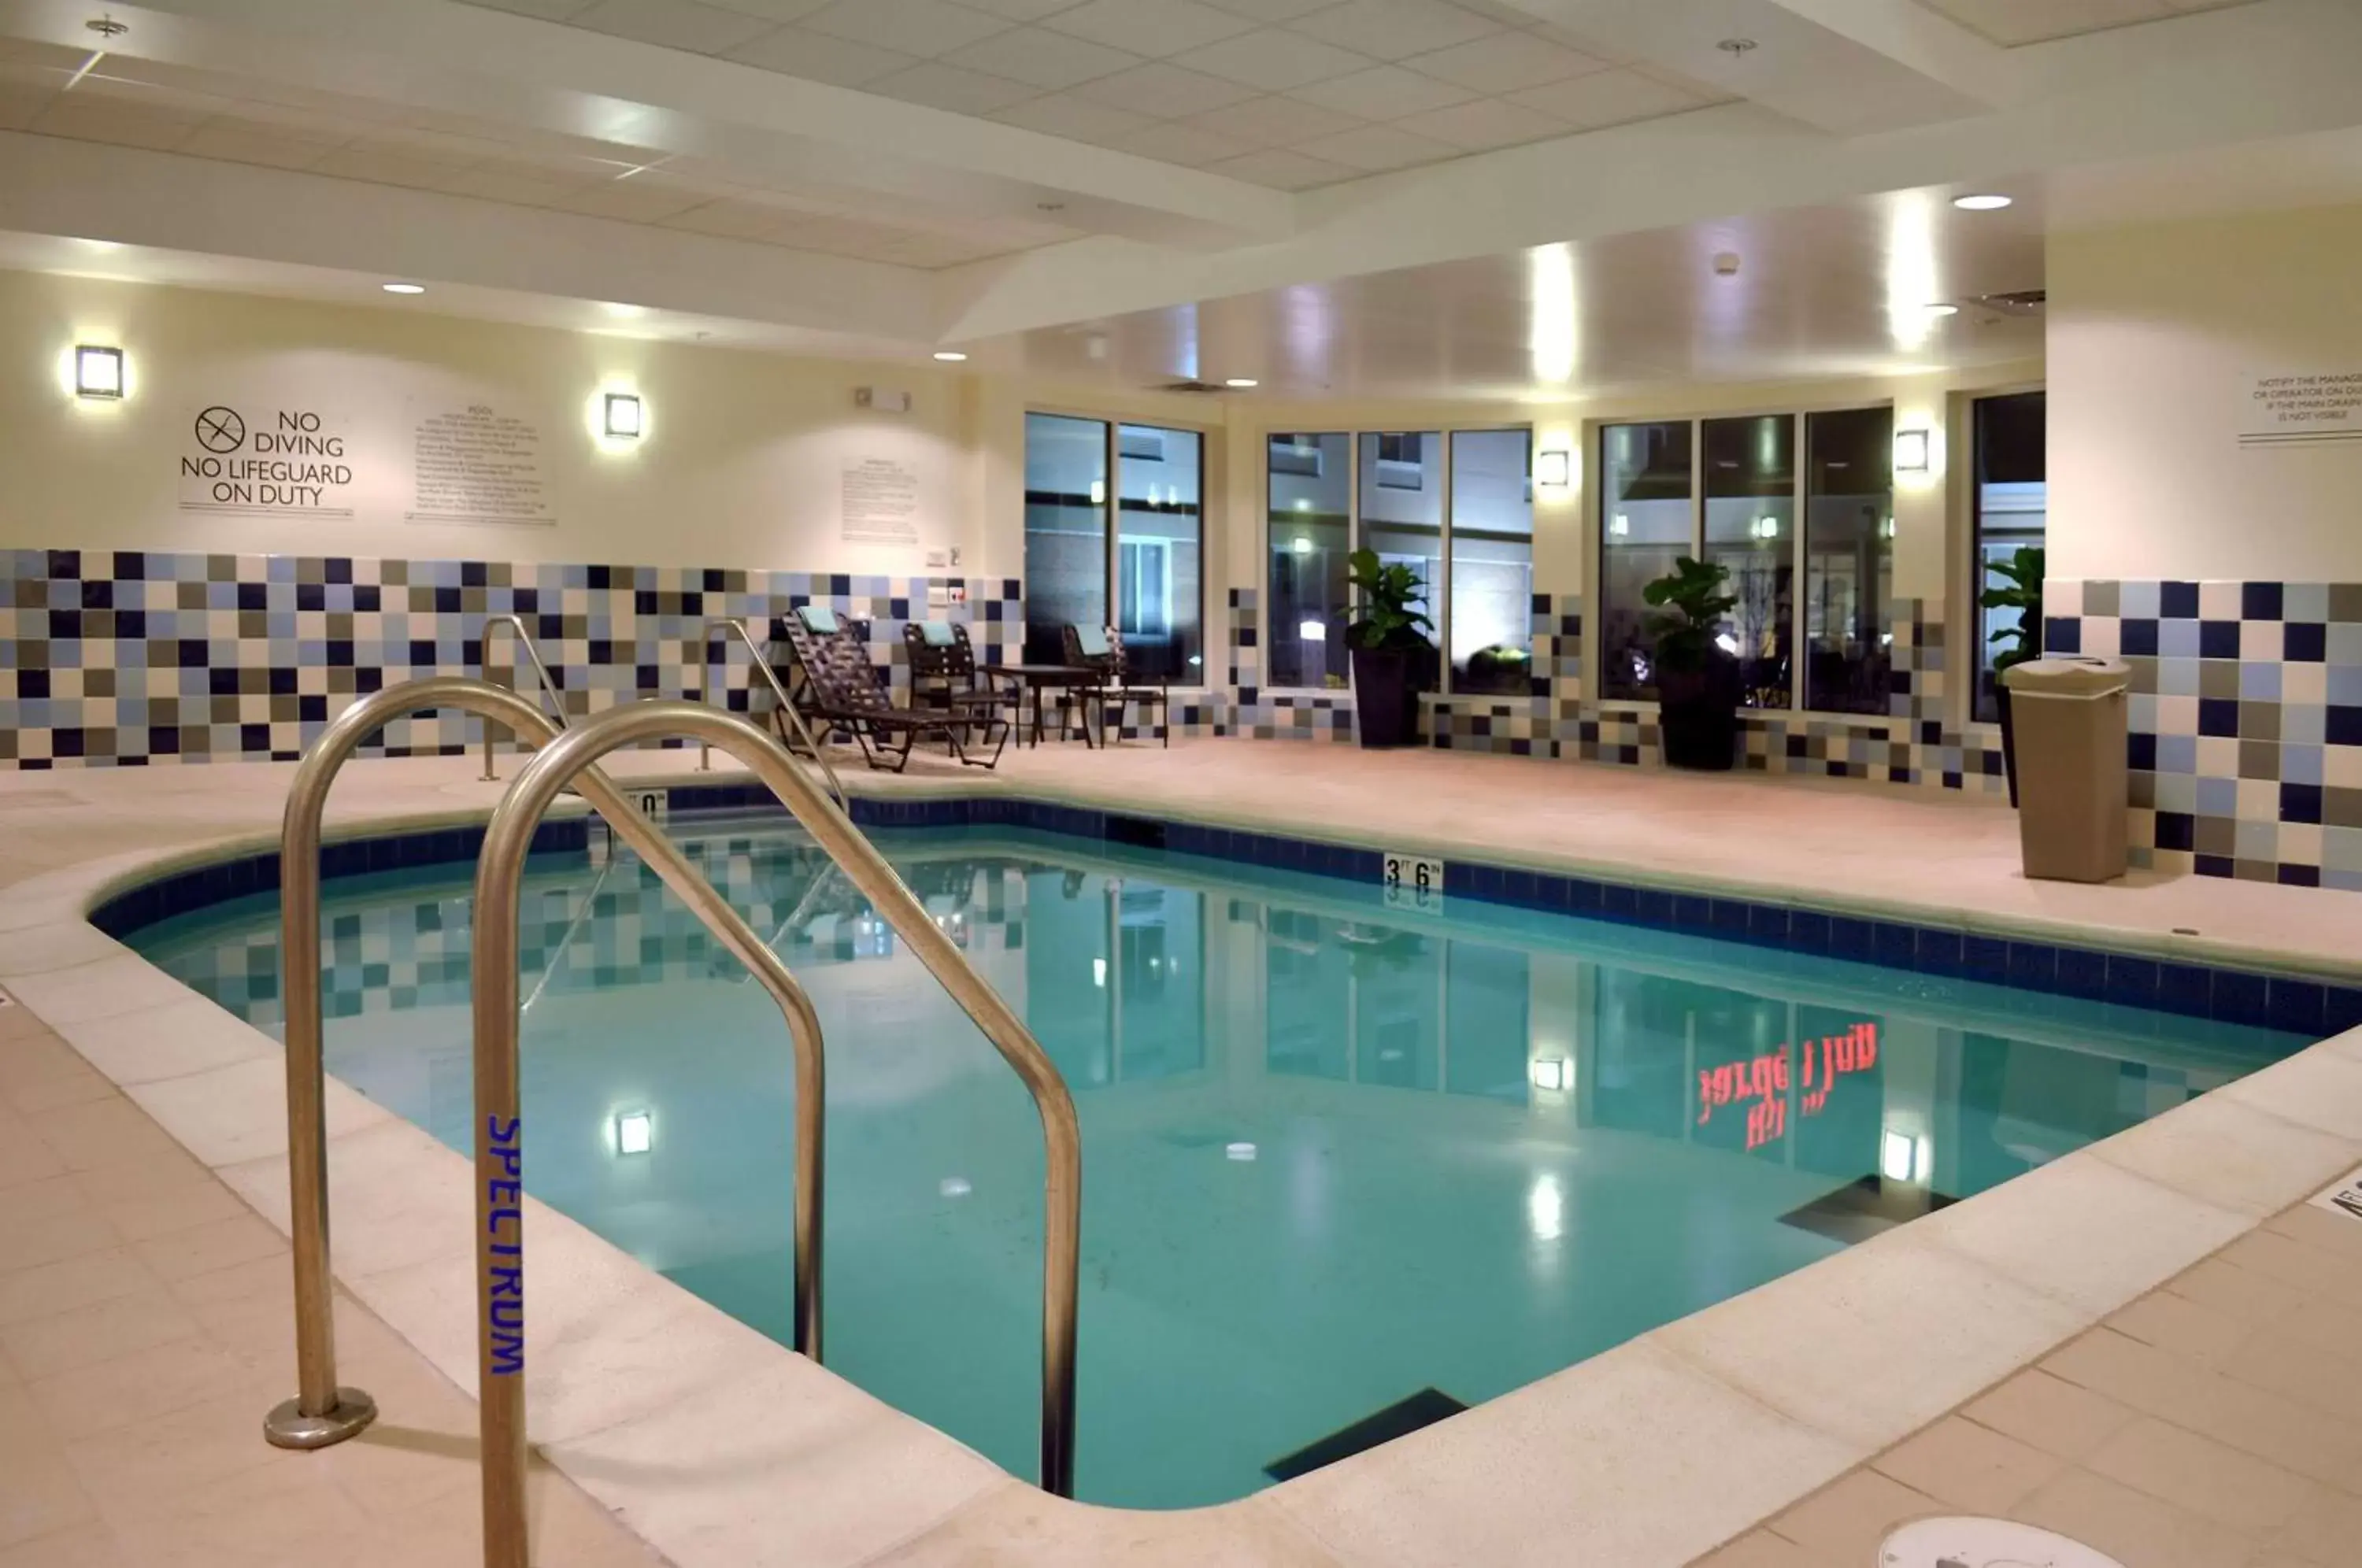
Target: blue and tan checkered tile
(133, 657)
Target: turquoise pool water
(1336, 1154)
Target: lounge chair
(843, 693)
(945, 674)
(1101, 648)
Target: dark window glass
(1751, 527)
(1848, 559)
(1310, 519)
(1644, 526)
(1492, 561)
(1065, 530)
(2013, 501)
(1159, 536)
(1402, 508)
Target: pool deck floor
(2209, 1414)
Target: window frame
(1595, 513)
(1438, 593)
(1112, 586)
(1966, 499)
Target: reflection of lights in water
(1901, 1158)
(1240, 1152)
(1099, 973)
(953, 1186)
(1546, 1207)
(1549, 1073)
(636, 1133)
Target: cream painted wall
(2154, 332)
(742, 464)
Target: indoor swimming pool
(1347, 1165)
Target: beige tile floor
(144, 1318)
(2213, 1423)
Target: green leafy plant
(1388, 593)
(1690, 604)
(2021, 591)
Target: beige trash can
(2066, 718)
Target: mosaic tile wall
(132, 658)
(2246, 723)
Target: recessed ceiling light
(1981, 203)
(1240, 383)
(1943, 310)
(404, 288)
(619, 308)
(949, 356)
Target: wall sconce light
(636, 1133)
(623, 416)
(98, 372)
(1552, 470)
(1911, 449)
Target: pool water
(1337, 1155)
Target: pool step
(1861, 1210)
(1423, 1409)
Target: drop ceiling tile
(773, 10)
(642, 200)
(1283, 169)
(517, 185)
(1075, 119)
(1386, 92)
(1272, 10)
(1606, 98)
(1371, 148)
(1394, 29)
(674, 24)
(923, 28)
(733, 220)
(1179, 141)
(1153, 27)
(125, 125)
(1273, 60)
(820, 57)
(547, 10)
(22, 102)
(1484, 122)
(2032, 21)
(253, 144)
(952, 87)
(1275, 121)
(1504, 63)
(1020, 10)
(1164, 91)
(382, 167)
(1043, 59)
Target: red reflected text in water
(1761, 1082)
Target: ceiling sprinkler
(1726, 264)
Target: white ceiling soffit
(435, 56)
(2224, 75)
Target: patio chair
(945, 674)
(843, 691)
(1101, 648)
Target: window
(1751, 527)
(1142, 557)
(1645, 524)
(2012, 501)
(1848, 559)
(1737, 507)
(1457, 510)
(1492, 572)
(1310, 521)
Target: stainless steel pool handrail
(321, 1413)
(500, 1223)
(515, 624)
(778, 692)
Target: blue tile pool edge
(2226, 994)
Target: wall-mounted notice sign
(264, 459)
(2302, 408)
(881, 501)
(478, 463)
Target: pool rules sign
(264, 459)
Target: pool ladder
(783, 712)
(517, 628)
(324, 1413)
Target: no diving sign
(2345, 1197)
(265, 460)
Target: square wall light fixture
(98, 372)
(623, 420)
(1552, 470)
(1911, 451)
(636, 1133)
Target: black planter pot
(2008, 740)
(1386, 695)
(1697, 716)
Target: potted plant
(2021, 589)
(1392, 656)
(1697, 679)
